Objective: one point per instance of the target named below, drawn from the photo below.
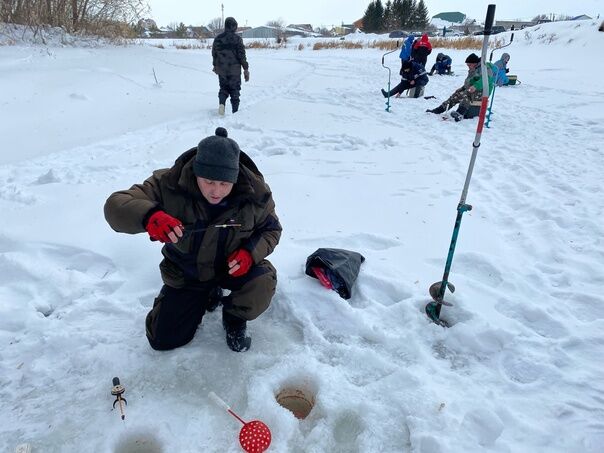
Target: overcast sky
(334, 12)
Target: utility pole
(222, 14)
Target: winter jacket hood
(230, 24)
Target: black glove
(507, 70)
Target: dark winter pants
(462, 97)
(404, 85)
(177, 312)
(230, 85)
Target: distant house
(455, 17)
(344, 29)
(146, 27)
(581, 17)
(147, 24)
(517, 24)
(300, 30)
(262, 32)
(304, 27)
(358, 24)
(268, 32)
(200, 32)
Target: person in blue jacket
(405, 54)
(413, 75)
(501, 77)
(442, 65)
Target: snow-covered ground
(520, 370)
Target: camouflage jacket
(228, 54)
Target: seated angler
(413, 75)
(442, 65)
(501, 75)
(470, 92)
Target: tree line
(396, 14)
(101, 17)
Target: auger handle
(218, 401)
(488, 24)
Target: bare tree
(215, 25)
(96, 16)
(277, 23)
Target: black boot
(462, 110)
(235, 328)
(235, 105)
(457, 116)
(214, 299)
(437, 110)
(384, 93)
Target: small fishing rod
(223, 225)
(118, 390)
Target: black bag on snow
(341, 267)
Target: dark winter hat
(217, 158)
(473, 58)
(230, 24)
(407, 65)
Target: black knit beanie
(217, 158)
(473, 58)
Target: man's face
(472, 66)
(214, 191)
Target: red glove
(239, 262)
(160, 225)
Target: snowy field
(520, 370)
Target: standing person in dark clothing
(421, 49)
(413, 75)
(216, 217)
(228, 57)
